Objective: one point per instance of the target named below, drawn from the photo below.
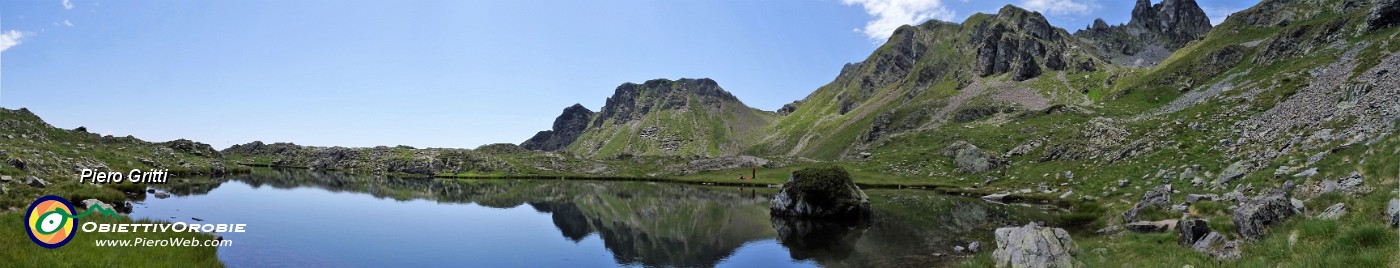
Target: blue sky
(430, 73)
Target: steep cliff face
(1024, 44)
(1152, 34)
(567, 127)
(686, 117)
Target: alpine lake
(305, 218)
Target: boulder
(1234, 171)
(1157, 197)
(1306, 173)
(1333, 212)
(1298, 207)
(1191, 231)
(974, 246)
(821, 192)
(1151, 226)
(6, 179)
(18, 164)
(968, 157)
(1217, 246)
(1033, 246)
(1253, 217)
(36, 182)
(1193, 198)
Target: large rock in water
(1258, 213)
(1033, 246)
(822, 192)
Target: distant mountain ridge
(894, 90)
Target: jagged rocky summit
(1152, 34)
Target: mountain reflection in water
(667, 224)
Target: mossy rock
(821, 192)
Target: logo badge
(50, 222)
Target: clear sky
(431, 73)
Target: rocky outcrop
(1153, 32)
(379, 159)
(721, 163)
(1034, 246)
(789, 108)
(821, 192)
(500, 148)
(1352, 185)
(1020, 42)
(1253, 218)
(192, 147)
(567, 127)
(1384, 13)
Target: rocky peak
(1152, 34)
(632, 101)
(567, 127)
(1021, 42)
(1179, 21)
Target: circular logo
(50, 222)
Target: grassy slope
(51, 154)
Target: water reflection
(663, 224)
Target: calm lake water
(314, 219)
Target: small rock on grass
(1333, 212)
(1393, 213)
